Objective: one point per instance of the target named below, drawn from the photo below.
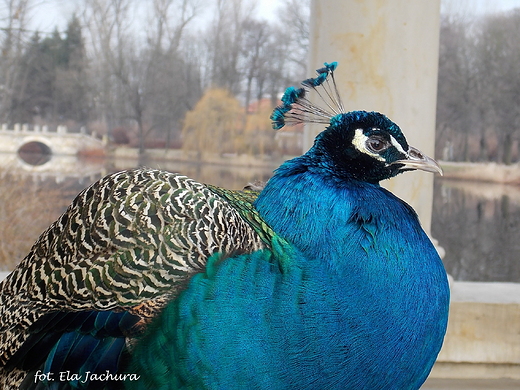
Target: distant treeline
(137, 67)
(133, 69)
(478, 105)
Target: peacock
(322, 279)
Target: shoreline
(482, 172)
(488, 172)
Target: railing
(25, 128)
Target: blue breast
(357, 300)
(367, 253)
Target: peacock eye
(376, 144)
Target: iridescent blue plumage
(323, 280)
(370, 253)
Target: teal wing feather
(243, 201)
(127, 243)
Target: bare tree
(479, 86)
(455, 86)
(14, 17)
(255, 57)
(252, 57)
(289, 46)
(168, 90)
(294, 16)
(130, 66)
(107, 24)
(224, 42)
(499, 54)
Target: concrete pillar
(388, 60)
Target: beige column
(387, 52)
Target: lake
(477, 224)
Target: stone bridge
(59, 142)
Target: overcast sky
(54, 13)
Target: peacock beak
(418, 160)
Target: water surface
(477, 224)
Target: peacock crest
(296, 108)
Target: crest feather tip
(296, 108)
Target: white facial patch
(359, 141)
(398, 146)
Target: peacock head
(359, 145)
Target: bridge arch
(34, 151)
(59, 142)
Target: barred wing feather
(126, 243)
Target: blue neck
(357, 229)
(313, 210)
(367, 247)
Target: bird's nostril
(414, 153)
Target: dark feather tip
(278, 116)
(292, 95)
(324, 70)
(278, 119)
(332, 66)
(327, 68)
(317, 81)
(277, 125)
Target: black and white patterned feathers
(126, 243)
